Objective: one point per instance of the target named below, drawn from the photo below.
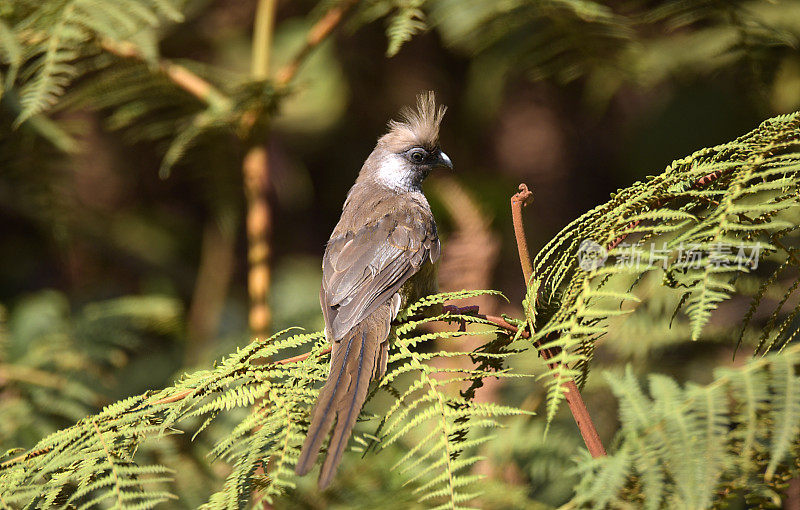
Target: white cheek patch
(393, 173)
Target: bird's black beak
(444, 160)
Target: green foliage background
(114, 182)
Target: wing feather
(363, 269)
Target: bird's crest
(416, 127)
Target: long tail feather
(353, 363)
(350, 406)
(325, 409)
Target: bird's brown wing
(363, 269)
(362, 272)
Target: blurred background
(114, 280)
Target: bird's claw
(458, 310)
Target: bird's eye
(418, 155)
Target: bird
(381, 255)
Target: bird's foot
(460, 310)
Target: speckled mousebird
(380, 256)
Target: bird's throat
(394, 173)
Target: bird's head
(410, 150)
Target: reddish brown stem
(502, 323)
(573, 397)
(300, 357)
(517, 203)
(616, 242)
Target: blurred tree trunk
(257, 184)
(217, 258)
(259, 233)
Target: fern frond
(406, 21)
(437, 420)
(11, 54)
(96, 461)
(561, 38)
(740, 430)
(60, 30)
(643, 43)
(55, 365)
(437, 299)
(716, 214)
(404, 18)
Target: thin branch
(168, 400)
(502, 323)
(262, 35)
(573, 397)
(318, 33)
(301, 357)
(265, 17)
(205, 91)
(178, 74)
(24, 457)
(788, 250)
(31, 375)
